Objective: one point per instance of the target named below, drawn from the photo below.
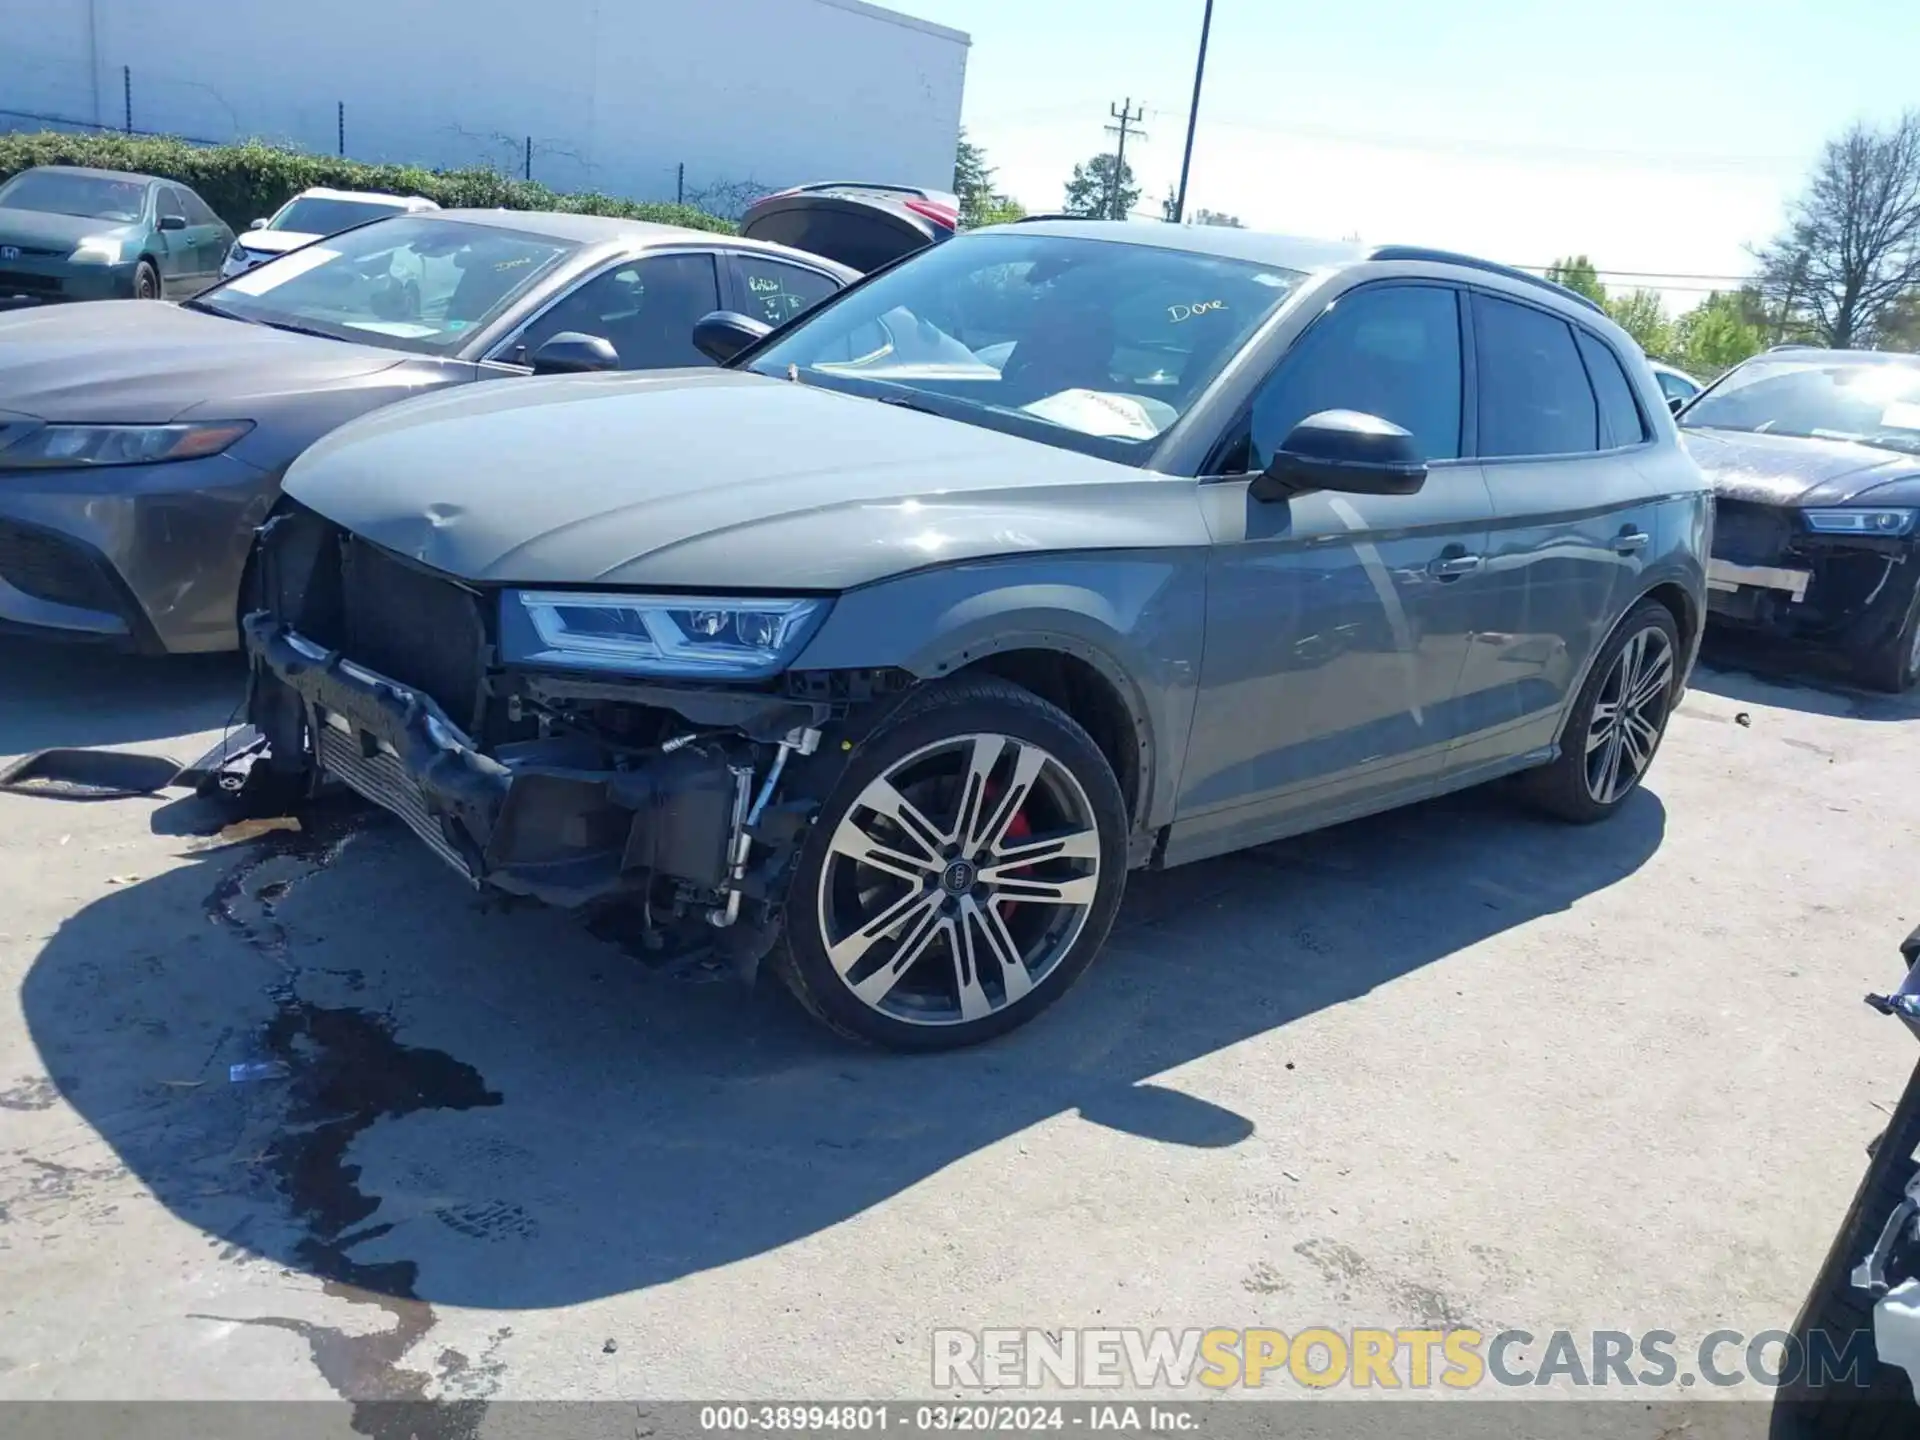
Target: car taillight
(939, 214)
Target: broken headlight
(675, 635)
(1860, 520)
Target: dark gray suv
(1052, 552)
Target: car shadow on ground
(1757, 671)
(56, 695)
(479, 1104)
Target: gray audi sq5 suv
(887, 649)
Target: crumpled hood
(714, 478)
(275, 242)
(1788, 470)
(38, 230)
(141, 362)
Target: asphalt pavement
(1454, 1066)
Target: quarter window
(1391, 351)
(1621, 422)
(1534, 395)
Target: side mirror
(571, 353)
(173, 222)
(258, 225)
(1346, 451)
(725, 333)
(1678, 403)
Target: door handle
(1628, 541)
(1452, 567)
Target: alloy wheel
(959, 879)
(1629, 715)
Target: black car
(1815, 460)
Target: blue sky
(1659, 137)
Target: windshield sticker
(1901, 415)
(1177, 313)
(279, 272)
(399, 329)
(1273, 281)
(1094, 412)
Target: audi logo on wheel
(9, 252)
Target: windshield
(318, 215)
(1875, 404)
(1092, 345)
(94, 197)
(408, 282)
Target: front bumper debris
(1771, 575)
(516, 820)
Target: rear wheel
(1617, 722)
(146, 281)
(961, 876)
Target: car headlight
(1861, 521)
(60, 446)
(237, 254)
(96, 250)
(677, 635)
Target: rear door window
(196, 209)
(1534, 395)
(1621, 422)
(775, 292)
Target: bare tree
(1851, 249)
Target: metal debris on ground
(251, 1070)
(241, 831)
(1744, 720)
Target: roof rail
(1451, 257)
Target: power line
(1127, 115)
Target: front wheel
(146, 281)
(1894, 664)
(1617, 721)
(961, 876)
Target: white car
(313, 215)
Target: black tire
(146, 281)
(1884, 1406)
(943, 713)
(1894, 665)
(1563, 789)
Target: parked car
(313, 215)
(1678, 386)
(141, 444)
(898, 658)
(1815, 458)
(68, 233)
(1854, 1355)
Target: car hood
(277, 242)
(38, 230)
(144, 363)
(712, 478)
(1790, 470)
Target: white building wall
(615, 95)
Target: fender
(1137, 619)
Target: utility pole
(1193, 115)
(1127, 116)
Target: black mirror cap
(1677, 403)
(1346, 451)
(572, 353)
(725, 333)
(173, 222)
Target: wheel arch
(1688, 617)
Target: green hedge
(246, 181)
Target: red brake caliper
(1018, 828)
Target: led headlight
(740, 639)
(1860, 521)
(96, 250)
(62, 446)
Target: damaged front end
(1773, 572)
(682, 799)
